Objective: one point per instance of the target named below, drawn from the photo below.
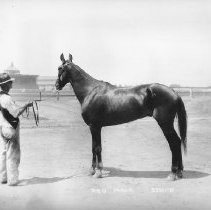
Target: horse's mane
(82, 73)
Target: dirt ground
(56, 157)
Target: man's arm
(19, 111)
(14, 109)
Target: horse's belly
(113, 113)
(115, 118)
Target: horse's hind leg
(165, 118)
(175, 147)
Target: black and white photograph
(105, 104)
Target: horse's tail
(182, 123)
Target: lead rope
(36, 113)
(35, 110)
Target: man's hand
(30, 103)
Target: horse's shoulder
(95, 93)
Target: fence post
(40, 95)
(57, 95)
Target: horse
(104, 104)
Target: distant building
(35, 82)
(22, 81)
(47, 83)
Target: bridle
(61, 68)
(35, 110)
(61, 71)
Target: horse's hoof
(172, 177)
(179, 175)
(91, 172)
(98, 173)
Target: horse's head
(63, 72)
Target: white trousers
(10, 158)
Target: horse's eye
(60, 68)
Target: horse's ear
(62, 58)
(70, 57)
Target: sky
(126, 42)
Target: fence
(193, 91)
(36, 94)
(41, 94)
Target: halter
(61, 68)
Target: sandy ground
(56, 158)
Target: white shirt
(7, 103)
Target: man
(9, 136)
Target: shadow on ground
(40, 180)
(116, 172)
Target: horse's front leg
(97, 164)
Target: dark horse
(104, 104)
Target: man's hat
(4, 78)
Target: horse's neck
(82, 83)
